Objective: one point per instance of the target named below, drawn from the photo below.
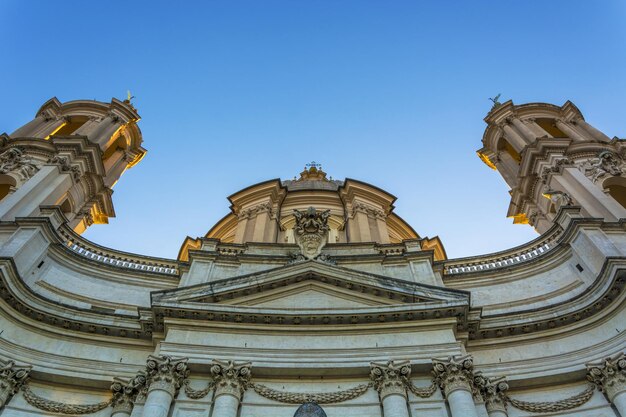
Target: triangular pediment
(329, 283)
(310, 294)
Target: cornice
(605, 294)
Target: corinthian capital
(609, 375)
(12, 377)
(230, 377)
(493, 392)
(166, 373)
(453, 373)
(125, 392)
(390, 378)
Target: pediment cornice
(395, 289)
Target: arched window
(616, 187)
(7, 183)
(309, 410)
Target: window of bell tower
(71, 126)
(549, 126)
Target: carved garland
(197, 394)
(553, 406)
(319, 398)
(62, 408)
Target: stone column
(456, 380)
(140, 401)
(588, 195)
(125, 393)
(165, 376)
(106, 129)
(568, 130)
(231, 380)
(598, 135)
(515, 139)
(390, 380)
(528, 134)
(493, 392)
(609, 375)
(12, 377)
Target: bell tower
(70, 155)
(551, 157)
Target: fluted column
(455, 378)
(390, 381)
(12, 377)
(231, 381)
(165, 376)
(493, 392)
(609, 376)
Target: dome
(358, 213)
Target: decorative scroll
(319, 398)
(553, 406)
(197, 394)
(61, 408)
(422, 392)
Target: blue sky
(236, 92)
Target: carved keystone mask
(309, 410)
(311, 231)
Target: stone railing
(510, 257)
(119, 259)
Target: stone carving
(125, 392)
(230, 377)
(558, 198)
(14, 160)
(391, 377)
(453, 373)
(493, 392)
(166, 373)
(197, 394)
(609, 375)
(553, 406)
(85, 213)
(370, 211)
(254, 210)
(311, 231)
(64, 164)
(12, 378)
(310, 409)
(61, 408)
(607, 163)
(304, 397)
(556, 168)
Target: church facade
(311, 297)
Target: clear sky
(388, 92)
